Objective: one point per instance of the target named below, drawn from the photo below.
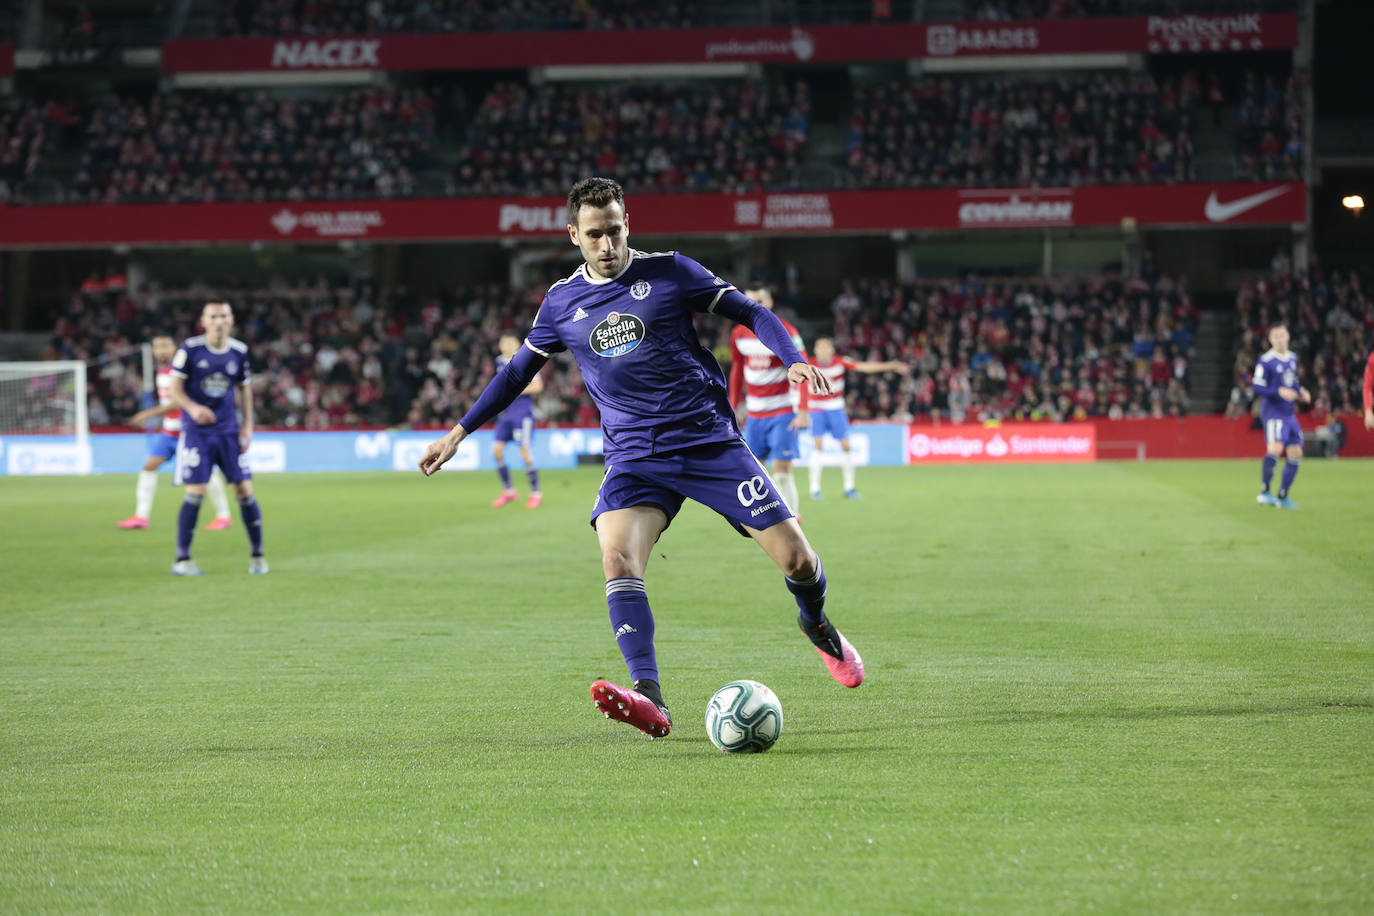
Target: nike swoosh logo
(1219, 212)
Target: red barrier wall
(889, 41)
(1208, 436)
(1200, 204)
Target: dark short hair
(595, 192)
(1277, 323)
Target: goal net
(44, 428)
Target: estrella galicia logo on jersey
(215, 385)
(617, 334)
(641, 289)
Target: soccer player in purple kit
(1276, 384)
(206, 371)
(669, 431)
(516, 424)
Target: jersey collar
(602, 281)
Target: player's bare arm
(198, 412)
(505, 386)
(143, 416)
(246, 427)
(892, 365)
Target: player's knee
(243, 489)
(618, 564)
(1295, 454)
(799, 561)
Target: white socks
(787, 489)
(144, 492)
(847, 467)
(218, 497)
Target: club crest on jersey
(232, 367)
(640, 289)
(617, 334)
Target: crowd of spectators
(348, 354)
(731, 137)
(201, 145)
(1330, 318)
(741, 136)
(1269, 128)
(367, 17)
(984, 348)
(943, 131)
(324, 354)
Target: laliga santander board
(1008, 443)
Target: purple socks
(633, 625)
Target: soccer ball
(744, 717)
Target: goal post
(44, 424)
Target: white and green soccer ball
(744, 717)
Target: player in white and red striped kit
(162, 446)
(828, 413)
(776, 408)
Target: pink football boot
(839, 656)
(631, 707)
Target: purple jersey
(1271, 373)
(657, 387)
(210, 377)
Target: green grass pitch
(1113, 687)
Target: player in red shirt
(775, 408)
(828, 413)
(1368, 392)
(162, 446)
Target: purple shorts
(516, 427)
(771, 439)
(722, 476)
(200, 451)
(1282, 429)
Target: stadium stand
(351, 354)
(736, 136)
(243, 145)
(1018, 131)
